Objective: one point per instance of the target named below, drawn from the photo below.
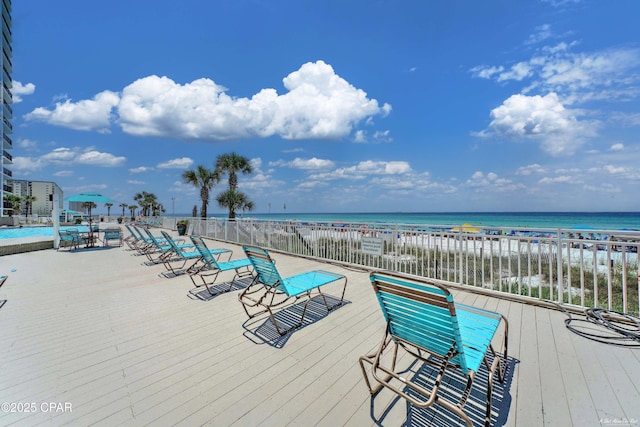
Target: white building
(43, 192)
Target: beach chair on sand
(211, 267)
(269, 290)
(423, 320)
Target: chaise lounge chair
(136, 240)
(161, 248)
(270, 290)
(113, 233)
(423, 320)
(184, 253)
(212, 267)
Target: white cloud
(135, 182)
(317, 104)
(68, 156)
(27, 144)
(364, 170)
(62, 154)
(311, 164)
(560, 3)
(543, 119)
(360, 136)
(98, 158)
(625, 119)
(491, 182)
(63, 173)
(311, 185)
(382, 136)
(181, 163)
(486, 72)
(384, 168)
(94, 114)
(256, 163)
(543, 32)
(19, 89)
(555, 180)
(575, 77)
(27, 163)
(141, 169)
(615, 169)
(530, 169)
(617, 147)
(517, 72)
(305, 164)
(379, 136)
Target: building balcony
(7, 128)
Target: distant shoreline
(596, 220)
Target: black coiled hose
(613, 328)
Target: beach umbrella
(467, 228)
(88, 198)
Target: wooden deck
(107, 340)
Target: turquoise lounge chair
(274, 290)
(131, 240)
(213, 267)
(161, 247)
(112, 234)
(66, 239)
(72, 238)
(185, 254)
(423, 320)
(137, 241)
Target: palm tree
(203, 179)
(132, 209)
(231, 164)
(146, 202)
(234, 200)
(108, 205)
(29, 202)
(157, 209)
(123, 206)
(14, 201)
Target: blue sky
(342, 106)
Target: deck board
(106, 332)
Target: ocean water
(581, 220)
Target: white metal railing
(587, 268)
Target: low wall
(26, 247)
(8, 220)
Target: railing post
(559, 267)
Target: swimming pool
(20, 232)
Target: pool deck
(108, 340)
